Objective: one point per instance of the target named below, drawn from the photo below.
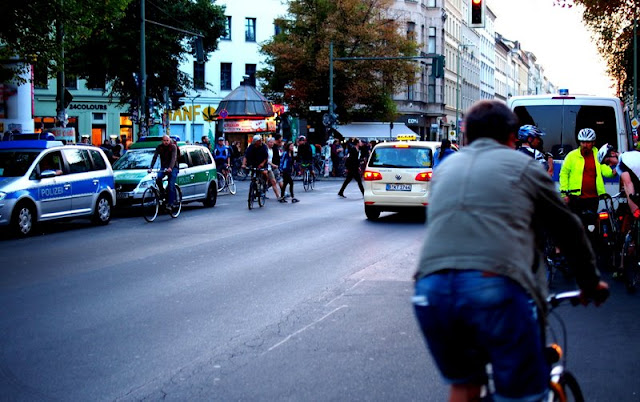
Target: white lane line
(343, 293)
(305, 328)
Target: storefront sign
(244, 126)
(186, 113)
(86, 106)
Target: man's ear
(511, 140)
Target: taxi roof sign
(406, 137)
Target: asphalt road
(306, 301)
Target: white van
(561, 116)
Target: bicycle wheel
(231, 184)
(252, 194)
(567, 389)
(177, 205)
(306, 180)
(313, 182)
(262, 194)
(150, 204)
(221, 182)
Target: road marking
(305, 328)
(343, 293)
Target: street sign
(318, 108)
(635, 123)
(224, 114)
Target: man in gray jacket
(480, 276)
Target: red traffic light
(477, 14)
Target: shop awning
(374, 131)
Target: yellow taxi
(397, 177)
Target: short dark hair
(491, 119)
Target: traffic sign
(635, 123)
(224, 114)
(318, 108)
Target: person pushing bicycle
(168, 152)
(480, 275)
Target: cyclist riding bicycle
(256, 155)
(479, 276)
(531, 137)
(305, 155)
(168, 152)
(222, 156)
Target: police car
(196, 177)
(397, 176)
(44, 180)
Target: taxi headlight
(2, 195)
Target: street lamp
(460, 46)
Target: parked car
(196, 178)
(45, 180)
(397, 177)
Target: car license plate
(398, 187)
(122, 195)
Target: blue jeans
(171, 185)
(471, 318)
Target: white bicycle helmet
(586, 134)
(603, 152)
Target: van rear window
(561, 124)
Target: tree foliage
(102, 40)
(298, 57)
(28, 30)
(612, 23)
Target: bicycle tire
(313, 182)
(221, 181)
(231, 185)
(567, 389)
(305, 180)
(251, 199)
(150, 204)
(176, 209)
(262, 194)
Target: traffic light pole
(142, 118)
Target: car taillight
(603, 215)
(424, 176)
(371, 176)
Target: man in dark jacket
(353, 169)
(168, 152)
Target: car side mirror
(182, 166)
(47, 174)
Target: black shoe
(282, 200)
(342, 195)
(294, 200)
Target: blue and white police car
(45, 180)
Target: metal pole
(143, 73)
(331, 111)
(193, 118)
(635, 63)
(60, 87)
(458, 93)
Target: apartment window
(431, 3)
(431, 46)
(250, 30)
(198, 75)
(411, 30)
(225, 76)
(250, 71)
(70, 81)
(227, 28)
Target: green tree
(298, 58)
(102, 40)
(112, 52)
(28, 30)
(611, 21)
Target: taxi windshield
(135, 159)
(411, 157)
(15, 163)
